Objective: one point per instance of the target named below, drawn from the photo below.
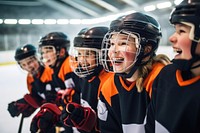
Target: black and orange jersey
(63, 78)
(175, 105)
(90, 89)
(121, 108)
(37, 84)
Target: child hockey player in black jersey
(128, 50)
(26, 57)
(175, 105)
(86, 64)
(53, 48)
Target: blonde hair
(146, 69)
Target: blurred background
(25, 21)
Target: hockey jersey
(90, 89)
(121, 109)
(36, 84)
(175, 105)
(62, 78)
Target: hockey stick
(20, 124)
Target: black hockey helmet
(57, 39)
(90, 37)
(146, 26)
(25, 51)
(188, 11)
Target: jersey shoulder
(109, 89)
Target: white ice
(13, 87)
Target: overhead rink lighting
(49, 21)
(62, 21)
(149, 8)
(75, 21)
(24, 21)
(10, 21)
(164, 5)
(37, 21)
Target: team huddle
(113, 81)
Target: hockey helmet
(89, 40)
(145, 30)
(24, 51)
(90, 37)
(188, 12)
(56, 39)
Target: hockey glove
(83, 118)
(26, 106)
(66, 95)
(46, 118)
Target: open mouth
(33, 71)
(46, 60)
(177, 50)
(117, 60)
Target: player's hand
(46, 118)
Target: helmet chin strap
(185, 65)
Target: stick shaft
(20, 124)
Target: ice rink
(13, 87)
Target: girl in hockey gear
(175, 106)
(128, 50)
(26, 57)
(53, 48)
(86, 64)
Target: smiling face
(87, 59)
(84, 61)
(181, 42)
(122, 51)
(48, 54)
(30, 64)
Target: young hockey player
(128, 50)
(175, 105)
(86, 64)
(26, 57)
(54, 53)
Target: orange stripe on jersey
(65, 69)
(29, 81)
(109, 89)
(128, 88)
(151, 77)
(46, 75)
(103, 76)
(187, 82)
(90, 80)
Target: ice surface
(12, 87)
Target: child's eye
(112, 44)
(180, 31)
(123, 43)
